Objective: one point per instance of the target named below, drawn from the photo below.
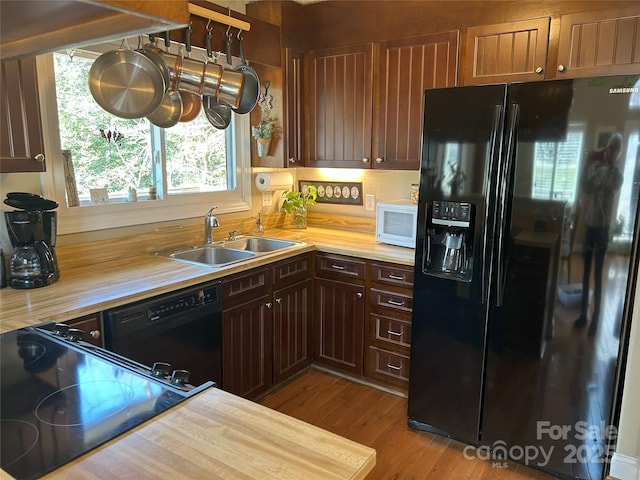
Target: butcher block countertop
(90, 289)
(217, 435)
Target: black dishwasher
(180, 331)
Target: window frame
(125, 214)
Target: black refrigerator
(526, 256)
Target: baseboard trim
(625, 467)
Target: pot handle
(242, 59)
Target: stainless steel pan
(126, 83)
(251, 88)
(169, 112)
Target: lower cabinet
(265, 325)
(91, 325)
(389, 324)
(339, 323)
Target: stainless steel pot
(126, 83)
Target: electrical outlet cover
(370, 202)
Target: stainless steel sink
(258, 244)
(227, 252)
(209, 255)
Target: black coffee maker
(32, 231)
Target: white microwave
(396, 223)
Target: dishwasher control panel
(138, 316)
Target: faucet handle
(233, 233)
(210, 212)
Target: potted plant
(263, 132)
(297, 202)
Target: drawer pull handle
(393, 367)
(396, 277)
(338, 267)
(397, 334)
(395, 303)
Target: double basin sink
(227, 252)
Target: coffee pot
(32, 232)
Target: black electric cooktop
(59, 399)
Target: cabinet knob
(379, 160)
(95, 334)
(561, 68)
(292, 160)
(365, 160)
(539, 70)
(39, 157)
(268, 304)
(359, 295)
(278, 301)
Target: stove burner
(24, 436)
(84, 403)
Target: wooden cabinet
(265, 322)
(294, 115)
(605, 42)
(292, 309)
(91, 325)
(514, 51)
(407, 67)
(388, 340)
(246, 333)
(340, 106)
(598, 42)
(339, 324)
(21, 140)
(360, 121)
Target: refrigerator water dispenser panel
(449, 242)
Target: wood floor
(378, 419)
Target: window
(191, 166)
(555, 170)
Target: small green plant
(262, 130)
(297, 200)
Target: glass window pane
(197, 157)
(107, 151)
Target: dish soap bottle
(259, 227)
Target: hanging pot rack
(219, 17)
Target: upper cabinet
(407, 67)
(340, 106)
(599, 43)
(593, 43)
(361, 120)
(40, 26)
(21, 141)
(516, 51)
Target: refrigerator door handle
(495, 128)
(514, 112)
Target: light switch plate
(370, 202)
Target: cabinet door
(291, 321)
(340, 325)
(506, 52)
(293, 108)
(247, 348)
(407, 67)
(599, 43)
(91, 326)
(21, 142)
(340, 106)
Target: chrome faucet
(210, 222)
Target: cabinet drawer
(91, 326)
(389, 365)
(392, 275)
(392, 331)
(395, 301)
(341, 267)
(292, 271)
(239, 288)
